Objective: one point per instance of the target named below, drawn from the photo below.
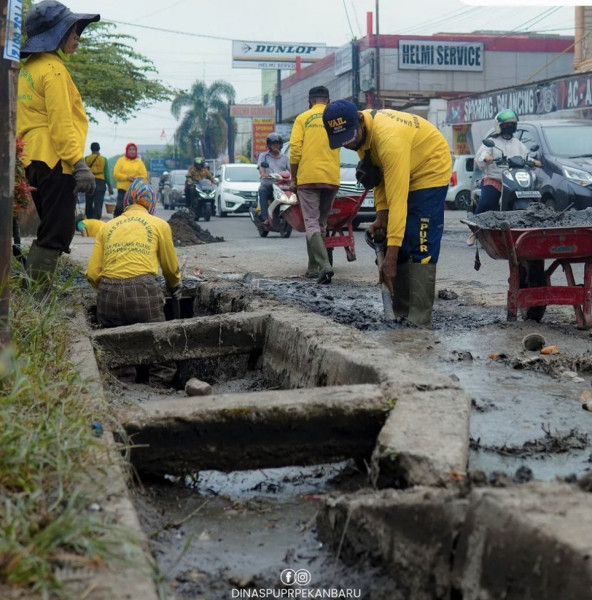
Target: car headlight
(577, 175)
(231, 191)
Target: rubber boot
(319, 252)
(401, 297)
(41, 265)
(312, 271)
(422, 290)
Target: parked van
(459, 190)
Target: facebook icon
(288, 576)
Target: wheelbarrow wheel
(533, 275)
(285, 228)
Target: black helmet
(274, 138)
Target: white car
(237, 189)
(458, 196)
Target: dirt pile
(537, 215)
(186, 232)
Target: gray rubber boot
(41, 264)
(422, 290)
(312, 271)
(319, 252)
(401, 297)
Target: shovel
(380, 248)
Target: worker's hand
(110, 191)
(378, 227)
(85, 180)
(293, 186)
(131, 178)
(176, 293)
(388, 268)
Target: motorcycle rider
(277, 163)
(197, 171)
(505, 124)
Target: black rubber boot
(422, 290)
(401, 296)
(319, 252)
(41, 265)
(312, 271)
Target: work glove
(85, 180)
(176, 293)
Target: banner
(567, 93)
(261, 129)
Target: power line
(347, 17)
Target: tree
(203, 129)
(111, 76)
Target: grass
(46, 447)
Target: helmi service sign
(274, 55)
(440, 56)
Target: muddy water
(522, 416)
(222, 533)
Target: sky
(189, 40)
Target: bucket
(110, 207)
(534, 342)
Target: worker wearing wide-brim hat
(53, 124)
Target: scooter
(164, 192)
(518, 191)
(202, 200)
(518, 179)
(283, 198)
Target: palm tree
(203, 128)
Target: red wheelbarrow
(340, 232)
(530, 285)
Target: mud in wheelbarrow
(340, 232)
(526, 249)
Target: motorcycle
(518, 191)
(283, 198)
(202, 199)
(164, 194)
(518, 179)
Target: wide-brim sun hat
(48, 22)
(341, 121)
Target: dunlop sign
(441, 56)
(274, 55)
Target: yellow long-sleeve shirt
(128, 167)
(50, 116)
(413, 155)
(310, 150)
(134, 244)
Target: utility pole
(377, 101)
(10, 39)
(230, 128)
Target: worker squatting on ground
(53, 124)
(407, 162)
(315, 178)
(125, 260)
(88, 227)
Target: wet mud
(187, 232)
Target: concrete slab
(425, 440)
(256, 430)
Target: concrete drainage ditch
(324, 394)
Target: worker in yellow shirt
(51, 119)
(407, 162)
(88, 227)
(127, 168)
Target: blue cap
(341, 121)
(48, 22)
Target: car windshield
(348, 158)
(246, 173)
(569, 140)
